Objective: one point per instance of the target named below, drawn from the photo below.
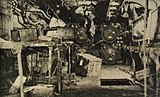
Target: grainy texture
(102, 92)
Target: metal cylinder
(109, 54)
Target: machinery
(116, 35)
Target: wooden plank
(50, 61)
(34, 59)
(29, 60)
(11, 45)
(39, 44)
(16, 85)
(20, 69)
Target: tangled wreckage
(51, 42)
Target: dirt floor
(90, 87)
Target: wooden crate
(94, 65)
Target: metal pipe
(144, 48)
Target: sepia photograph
(79, 48)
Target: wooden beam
(145, 59)
(20, 69)
(50, 62)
